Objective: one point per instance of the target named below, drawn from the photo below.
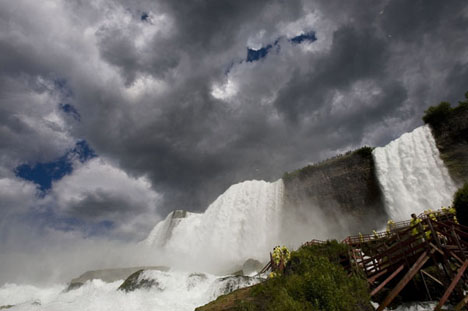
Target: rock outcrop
(344, 188)
(108, 275)
(139, 280)
(251, 267)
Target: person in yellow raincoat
(376, 236)
(276, 255)
(390, 226)
(280, 257)
(414, 221)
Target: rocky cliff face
(344, 189)
(451, 137)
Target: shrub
(365, 151)
(313, 280)
(436, 115)
(460, 203)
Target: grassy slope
(313, 280)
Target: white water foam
(241, 223)
(412, 176)
(176, 291)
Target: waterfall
(412, 176)
(241, 223)
(162, 232)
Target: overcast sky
(115, 112)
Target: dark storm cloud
(155, 98)
(195, 146)
(101, 205)
(353, 56)
(409, 21)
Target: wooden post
(425, 285)
(408, 277)
(451, 286)
(378, 288)
(455, 236)
(461, 304)
(444, 256)
(433, 278)
(375, 277)
(435, 235)
(406, 257)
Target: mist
(57, 257)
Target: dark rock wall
(344, 188)
(451, 138)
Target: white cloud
(98, 191)
(224, 91)
(17, 196)
(31, 115)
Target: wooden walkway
(393, 258)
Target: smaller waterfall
(412, 176)
(242, 223)
(162, 232)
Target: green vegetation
(437, 115)
(313, 280)
(364, 152)
(450, 129)
(460, 203)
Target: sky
(115, 112)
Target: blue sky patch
(309, 36)
(83, 151)
(43, 174)
(254, 55)
(70, 110)
(144, 16)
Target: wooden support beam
(425, 285)
(455, 236)
(408, 277)
(451, 287)
(456, 257)
(461, 304)
(372, 279)
(436, 248)
(433, 278)
(378, 288)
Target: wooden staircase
(402, 253)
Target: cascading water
(241, 223)
(412, 176)
(174, 290)
(162, 232)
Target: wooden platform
(398, 255)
